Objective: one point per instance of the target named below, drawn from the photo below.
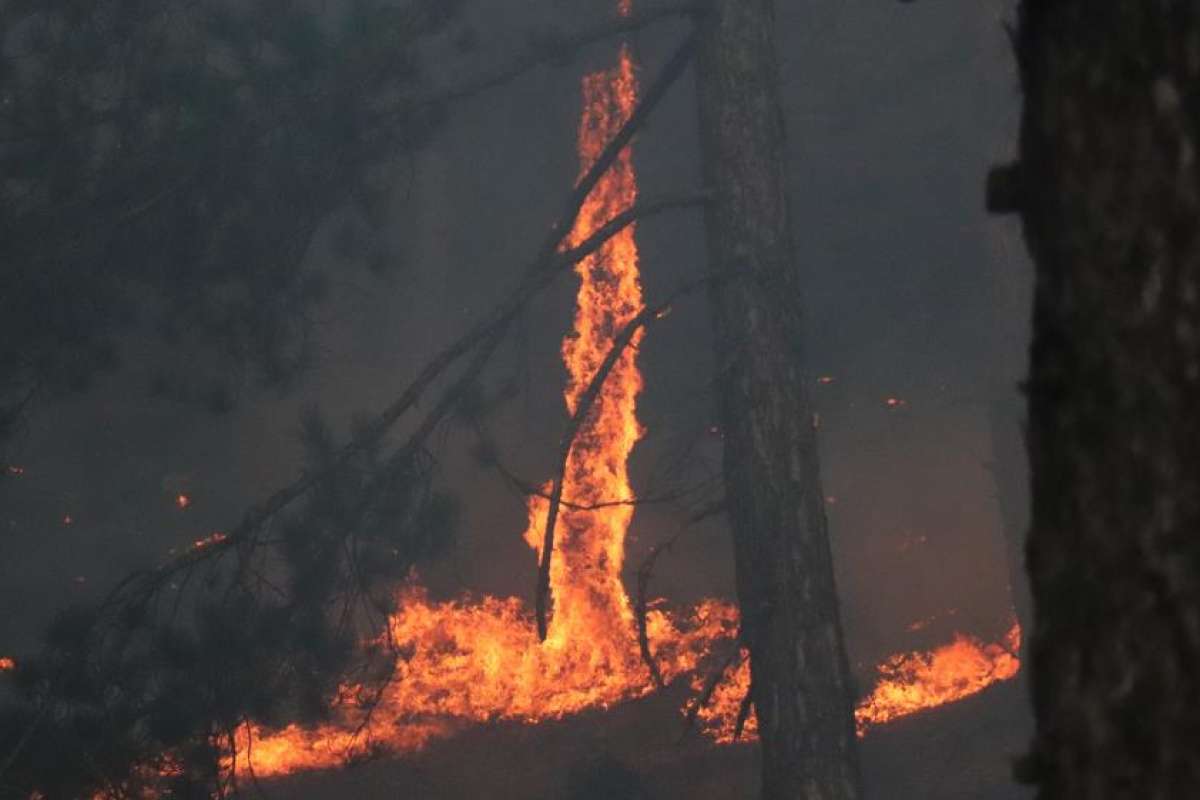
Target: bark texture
(1111, 211)
(802, 687)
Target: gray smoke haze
(894, 114)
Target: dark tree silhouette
(167, 165)
(802, 688)
(1109, 194)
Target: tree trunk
(802, 687)
(1110, 202)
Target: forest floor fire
(476, 661)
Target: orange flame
(472, 661)
(7, 664)
(590, 603)
(907, 683)
(476, 660)
(911, 682)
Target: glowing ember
(7, 664)
(216, 537)
(14, 470)
(825, 380)
(182, 501)
(895, 402)
(68, 519)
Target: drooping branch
(549, 262)
(588, 399)
(146, 586)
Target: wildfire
(589, 600)
(911, 682)
(906, 684)
(478, 659)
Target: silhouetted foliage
(166, 165)
(151, 691)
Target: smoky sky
(894, 114)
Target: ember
(216, 537)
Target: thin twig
(645, 573)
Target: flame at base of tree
(906, 683)
(475, 661)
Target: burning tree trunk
(801, 683)
(1110, 206)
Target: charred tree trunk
(1110, 202)
(802, 687)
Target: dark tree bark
(1110, 201)
(802, 687)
